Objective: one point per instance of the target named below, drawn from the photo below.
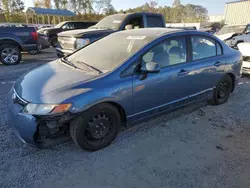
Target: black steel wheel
(222, 91)
(96, 128)
(10, 54)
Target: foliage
(176, 3)
(12, 7)
(176, 14)
(94, 10)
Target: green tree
(176, 3)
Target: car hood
(86, 33)
(225, 36)
(244, 48)
(52, 83)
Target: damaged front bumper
(35, 130)
(25, 126)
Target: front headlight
(81, 43)
(45, 32)
(45, 109)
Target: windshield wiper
(65, 60)
(91, 67)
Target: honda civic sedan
(120, 80)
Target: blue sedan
(121, 79)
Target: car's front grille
(66, 42)
(18, 100)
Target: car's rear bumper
(63, 52)
(24, 125)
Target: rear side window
(154, 21)
(203, 47)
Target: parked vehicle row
(120, 80)
(232, 35)
(71, 41)
(51, 33)
(14, 40)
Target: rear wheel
(36, 51)
(96, 128)
(53, 41)
(10, 54)
(222, 91)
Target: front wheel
(222, 91)
(96, 128)
(54, 42)
(10, 54)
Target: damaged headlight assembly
(46, 109)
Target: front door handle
(217, 64)
(183, 72)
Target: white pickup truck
(232, 35)
(244, 48)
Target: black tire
(222, 91)
(85, 133)
(13, 52)
(38, 50)
(54, 41)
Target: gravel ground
(199, 146)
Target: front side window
(170, 52)
(154, 21)
(203, 47)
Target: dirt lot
(203, 146)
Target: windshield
(109, 52)
(232, 29)
(59, 25)
(111, 22)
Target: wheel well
(233, 79)
(9, 41)
(121, 111)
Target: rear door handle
(217, 64)
(183, 72)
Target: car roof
(135, 13)
(150, 32)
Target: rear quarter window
(155, 21)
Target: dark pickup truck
(63, 26)
(70, 41)
(14, 40)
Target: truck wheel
(34, 52)
(10, 54)
(96, 128)
(53, 41)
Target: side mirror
(150, 67)
(128, 27)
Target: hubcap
(223, 89)
(99, 126)
(9, 55)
